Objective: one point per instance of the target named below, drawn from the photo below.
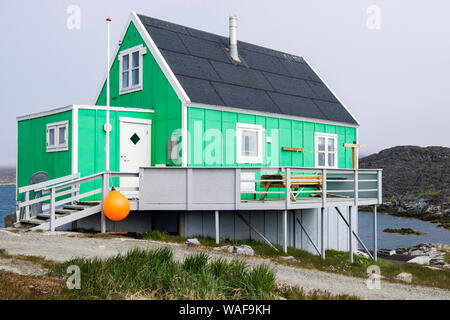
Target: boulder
(405, 277)
(193, 242)
(420, 260)
(244, 250)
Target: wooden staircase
(66, 214)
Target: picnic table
(297, 181)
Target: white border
(75, 140)
(316, 149)
(135, 120)
(57, 147)
(243, 159)
(142, 51)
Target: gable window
(131, 69)
(57, 136)
(326, 150)
(249, 143)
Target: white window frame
(56, 126)
(240, 158)
(326, 136)
(132, 88)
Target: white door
(135, 140)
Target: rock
(288, 258)
(193, 242)
(416, 253)
(361, 254)
(244, 250)
(420, 260)
(437, 262)
(9, 220)
(388, 252)
(432, 268)
(405, 277)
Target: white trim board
(75, 106)
(74, 140)
(268, 114)
(135, 120)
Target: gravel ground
(63, 246)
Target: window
(248, 143)
(57, 136)
(326, 150)
(130, 76)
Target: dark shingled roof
(266, 80)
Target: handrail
(42, 185)
(51, 188)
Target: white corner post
(350, 234)
(375, 236)
(217, 226)
(285, 235)
(322, 233)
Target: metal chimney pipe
(233, 39)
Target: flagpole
(108, 125)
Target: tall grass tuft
(156, 275)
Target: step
(47, 215)
(33, 221)
(77, 207)
(88, 203)
(65, 211)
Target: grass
(18, 287)
(336, 261)
(156, 275)
(404, 231)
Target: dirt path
(60, 247)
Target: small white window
(249, 143)
(130, 62)
(326, 150)
(57, 136)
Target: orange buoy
(116, 206)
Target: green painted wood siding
(208, 129)
(92, 141)
(157, 94)
(32, 155)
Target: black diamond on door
(135, 138)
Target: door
(135, 151)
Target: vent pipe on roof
(233, 39)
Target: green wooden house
(185, 98)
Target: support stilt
(375, 236)
(285, 233)
(322, 234)
(217, 227)
(350, 234)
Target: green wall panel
(32, 149)
(204, 123)
(157, 94)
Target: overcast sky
(387, 60)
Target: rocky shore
(425, 253)
(416, 182)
